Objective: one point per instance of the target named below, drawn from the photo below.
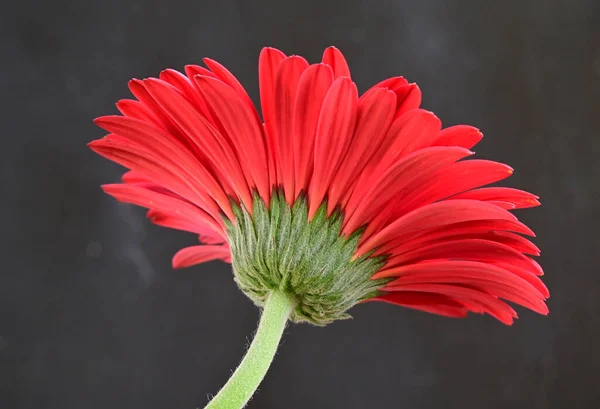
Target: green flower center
(279, 249)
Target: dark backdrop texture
(91, 314)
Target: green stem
(246, 378)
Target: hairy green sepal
(277, 248)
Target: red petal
(173, 220)
(206, 139)
(490, 304)
(526, 275)
(286, 89)
(135, 177)
(137, 110)
(371, 196)
(408, 97)
(335, 59)
(160, 170)
(163, 203)
(518, 198)
(188, 89)
(409, 242)
(138, 89)
(406, 135)
(374, 116)
(390, 83)
(417, 129)
(527, 296)
(240, 124)
(458, 272)
(190, 256)
(169, 151)
(312, 88)
(433, 216)
(467, 249)
(436, 183)
(401, 139)
(515, 241)
(334, 133)
(432, 303)
(459, 135)
(456, 178)
(192, 70)
(268, 62)
(228, 78)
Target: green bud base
(278, 248)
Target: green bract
(279, 249)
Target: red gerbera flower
(332, 198)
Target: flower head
(331, 197)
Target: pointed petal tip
(270, 49)
(151, 81)
(108, 188)
(167, 73)
(335, 58)
(296, 57)
(106, 119)
(95, 145)
(202, 78)
(134, 81)
(176, 264)
(382, 90)
(389, 91)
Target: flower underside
(278, 248)
(328, 196)
(324, 199)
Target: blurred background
(91, 313)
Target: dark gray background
(91, 314)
